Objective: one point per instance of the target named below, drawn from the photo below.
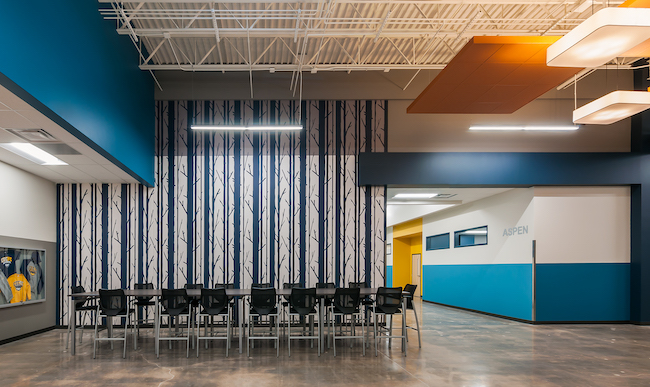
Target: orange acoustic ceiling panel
(493, 74)
(636, 4)
(643, 49)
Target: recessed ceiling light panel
(32, 153)
(602, 37)
(612, 107)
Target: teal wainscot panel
(501, 289)
(389, 276)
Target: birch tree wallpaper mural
(234, 207)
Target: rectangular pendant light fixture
(247, 127)
(415, 195)
(602, 37)
(612, 107)
(32, 153)
(524, 128)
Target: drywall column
(496, 278)
(583, 253)
(28, 211)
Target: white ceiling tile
(76, 159)
(43, 172)
(120, 173)
(12, 101)
(68, 171)
(89, 152)
(98, 171)
(13, 159)
(12, 120)
(6, 136)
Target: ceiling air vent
(34, 135)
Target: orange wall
(407, 240)
(408, 228)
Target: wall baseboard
(23, 336)
(481, 312)
(536, 322)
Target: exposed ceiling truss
(328, 35)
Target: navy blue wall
(69, 63)
(582, 292)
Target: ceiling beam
(292, 67)
(341, 33)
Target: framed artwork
(22, 276)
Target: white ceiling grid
(329, 35)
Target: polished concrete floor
(458, 349)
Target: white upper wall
(400, 213)
(582, 224)
(500, 212)
(27, 205)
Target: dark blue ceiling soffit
(84, 76)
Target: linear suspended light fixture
(612, 107)
(415, 195)
(247, 127)
(32, 153)
(525, 128)
(604, 36)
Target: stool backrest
(303, 300)
(79, 301)
(113, 302)
(411, 290)
(326, 285)
(214, 301)
(143, 286)
(263, 300)
(225, 286)
(291, 285)
(389, 300)
(362, 285)
(174, 301)
(346, 300)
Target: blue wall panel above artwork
(62, 58)
(504, 289)
(583, 292)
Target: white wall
(399, 213)
(27, 205)
(582, 224)
(28, 220)
(499, 212)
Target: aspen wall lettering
(234, 207)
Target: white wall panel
(499, 212)
(582, 224)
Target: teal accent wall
(389, 276)
(70, 64)
(583, 292)
(502, 289)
